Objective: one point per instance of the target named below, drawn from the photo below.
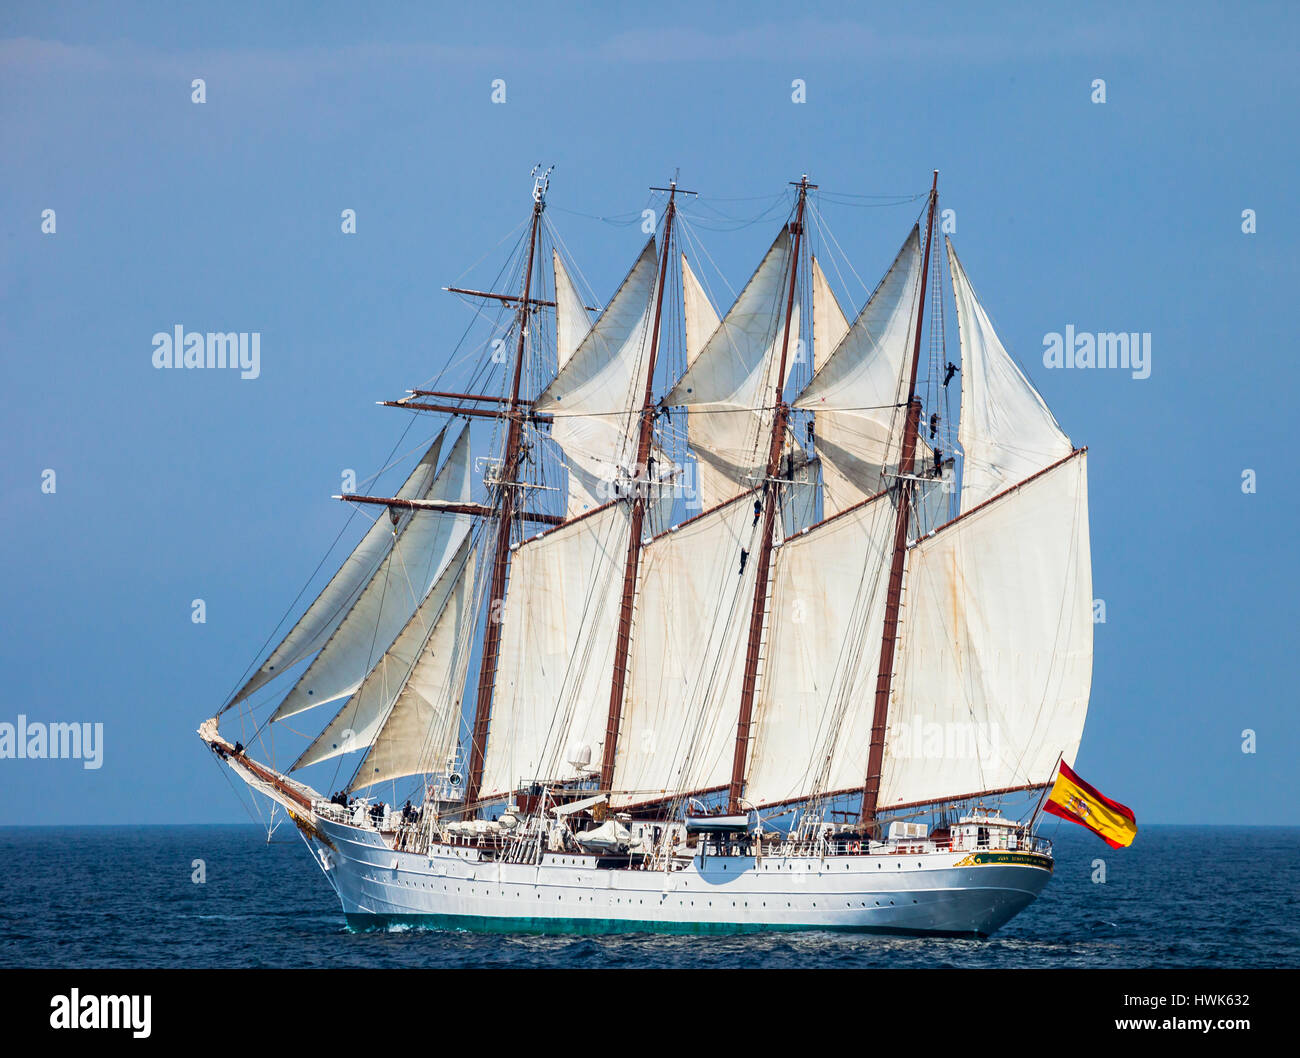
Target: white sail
(597, 396)
(995, 660)
(687, 659)
(550, 700)
(1006, 430)
(387, 601)
(359, 721)
(730, 387)
(332, 605)
(572, 321)
(856, 394)
(829, 322)
(698, 313)
(422, 729)
(814, 708)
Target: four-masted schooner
(727, 643)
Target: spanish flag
(1072, 798)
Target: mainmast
(648, 409)
(507, 481)
(771, 504)
(885, 675)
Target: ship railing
(363, 815)
(1016, 841)
(338, 813)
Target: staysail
(391, 595)
(1006, 430)
(698, 314)
(829, 322)
(386, 700)
(325, 614)
(572, 321)
(423, 726)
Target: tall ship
(695, 619)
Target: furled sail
(814, 708)
(858, 392)
(829, 323)
(996, 647)
(687, 658)
(596, 397)
(572, 321)
(560, 620)
(728, 389)
(1006, 430)
(324, 615)
(372, 708)
(422, 729)
(391, 595)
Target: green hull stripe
(492, 924)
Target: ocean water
(125, 897)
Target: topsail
(1006, 430)
(596, 396)
(858, 393)
(727, 387)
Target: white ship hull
(457, 887)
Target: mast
(505, 519)
(621, 644)
(770, 506)
(885, 674)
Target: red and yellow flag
(1072, 798)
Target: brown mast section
(505, 520)
(771, 498)
(885, 674)
(622, 643)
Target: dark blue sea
(124, 897)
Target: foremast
(641, 485)
(507, 482)
(771, 503)
(893, 598)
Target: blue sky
(1122, 216)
